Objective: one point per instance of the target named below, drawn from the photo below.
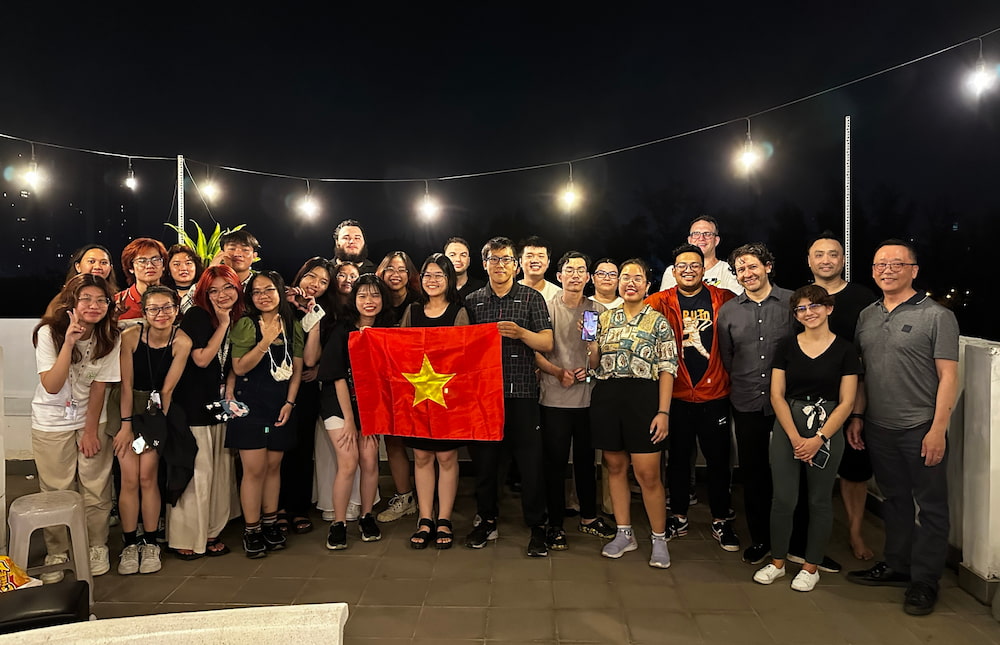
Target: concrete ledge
(978, 587)
(299, 624)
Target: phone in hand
(821, 457)
(589, 325)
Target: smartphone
(589, 325)
(821, 457)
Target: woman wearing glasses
(399, 274)
(267, 363)
(142, 261)
(813, 382)
(605, 274)
(153, 356)
(439, 305)
(76, 353)
(634, 360)
(209, 501)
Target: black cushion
(56, 604)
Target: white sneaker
(329, 516)
(54, 576)
(354, 512)
(623, 543)
(149, 558)
(399, 505)
(768, 574)
(660, 556)
(805, 581)
(99, 564)
(128, 561)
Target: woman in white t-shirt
(76, 351)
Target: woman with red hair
(209, 501)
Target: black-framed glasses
(506, 260)
(812, 306)
(684, 266)
(606, 274)
(702, 234)
(156, 311)
(895, 266)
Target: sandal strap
(425, 521)
(445, 523)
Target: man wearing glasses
(909, 346)
(522, 319)
(704, 233)
(700, 411)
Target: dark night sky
(392, 93)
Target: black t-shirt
(334, 365)
(199, 386)
(816, 377)
(696, 343)
(848, 303)
(473, 284)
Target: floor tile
(520, 625)
(535, 594)
(417, 564)
(269, 591)
(590, 625)
(382, 622)
(201, 589)
(732, 628)
(659, 626)
(636, 596)
(322, 590)
(522, 569)
(458, 593)
(451, 622)
(582, 595)
(713, 597)
(135, 588)
(397, 592)
(809, 627)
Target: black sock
(130, 537)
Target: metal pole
(847, 198)
(180, 199)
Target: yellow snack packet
(11, 575)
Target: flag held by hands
(429, 382)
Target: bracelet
(124, 419)
(291, 403)
(666, 412)
(822, 436)
(856, 415)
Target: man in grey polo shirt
(751, 326)
(909, 345)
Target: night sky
(440, 91)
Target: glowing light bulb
(428, 208)
(210, 191)
(570, 197)
(309, 207)
(131, 182)
(33, 176)
(981, 79)
(749, 158)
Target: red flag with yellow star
(430, 382)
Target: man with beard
(350, 246)
(458, 251)
(751, 327)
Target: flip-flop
(215, 553)
(188, 556)
(301, 524)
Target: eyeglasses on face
(684, 266)
(574, 271)
(432, 276)
(606, 274)
(100, 302)
(401, 271)
(506, 260)
(141, 262)
(812, 306)
(215, 292)
(256, 293)
(153, 310)
(895, 266)
(701, 234)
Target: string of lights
(980, 80)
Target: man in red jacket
(700, 410)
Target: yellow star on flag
(428, 384)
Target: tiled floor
(498, 595)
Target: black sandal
(448, 536)
(214, 553)
(282, 522)
(301, 524)
(420, 539)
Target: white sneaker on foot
(53, 577)
(354, 512)
(805, 581)
(768, 574)
(660, 557)
(99, 564)
(149, 558)
(128, 561)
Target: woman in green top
(267, 348)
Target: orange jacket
(714, 383)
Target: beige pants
(210, 498)
(61, 466)
(326, 472)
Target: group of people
(197, 363)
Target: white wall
(19, 379)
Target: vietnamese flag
(430, 382)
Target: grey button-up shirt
(749, 335)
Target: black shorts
(856, 465)
(621, 410)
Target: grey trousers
(915, 543)
(785, 473)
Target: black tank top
(419, 319)
(150, 365)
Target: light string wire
(538, 166)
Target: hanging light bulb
(130, 181)
(210, 190)
(308, 206)
(749, 157)
(428, 207)
(33, 176)
(981, 79)
(570, 197)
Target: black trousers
(297, 464)
(523, 439)
(753, 440)
(708, 424)
(915, 542)
(560, 427)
